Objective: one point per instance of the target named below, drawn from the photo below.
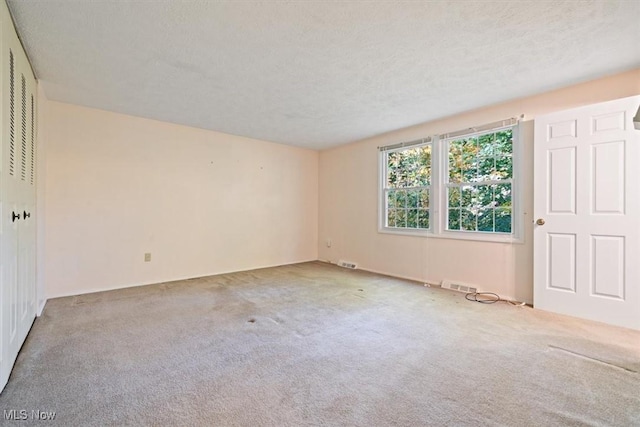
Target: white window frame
(382, 208)
(438, 205)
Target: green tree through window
(407, 187)
(458, 185)
(479, 182)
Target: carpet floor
(315, 345)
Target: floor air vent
(347, 264)
(457, 286)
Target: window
(479, 181)
(407, 185)
(457, 185)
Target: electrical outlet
(147, 257)
(329, 243)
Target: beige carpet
(313, 344)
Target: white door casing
(587, 208)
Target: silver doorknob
(540, 221)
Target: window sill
(455, 235)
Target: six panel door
(586, 203)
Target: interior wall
(41, 163)
(201, 202)
(348, 194)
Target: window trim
(438, 206)
(382, 200)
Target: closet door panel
(17, 196)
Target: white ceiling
(318, 73)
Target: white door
(26, 194)
(17, 197)
(11, 214)
(587, 213)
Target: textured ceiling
(318, 73)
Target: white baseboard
(41, 307)
(428, 282)
(171, 279)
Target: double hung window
(458, 185)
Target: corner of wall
(41, 161)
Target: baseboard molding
(41, 307)
(382, 273)
(428, 282)
(169, 280)
(435, 283)
(412, 279)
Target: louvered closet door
(26, 207)
(4, 303)
(10, 206)
(17, 196)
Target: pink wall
(349, 201)
(113, 187)
(200, 202)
